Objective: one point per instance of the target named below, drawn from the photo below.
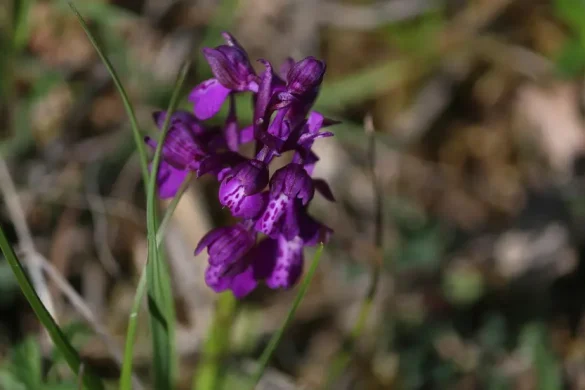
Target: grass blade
(71, 356)
(275, 340)
(126, 376)
(160, 281)
(160, 299)
(209, 369)
(138, 138)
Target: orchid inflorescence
(283, 122)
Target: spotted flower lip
(226, 245)
(289, 185)
(240, 189)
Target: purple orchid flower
(282, 122)
(286, 185)
(186, 144)
(233, 73)
(241, 189)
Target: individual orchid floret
(280, 260)
(226, 247)
(305, 77)
(169, 180)
(287, 184)
(233, 73)
(184, 147)
(303, 81)
(240, 190)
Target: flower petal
(168, 180)
(247, 134)
(305, 76)
(210, 238)
(215, 163)
(288, 265)
(233, 196)
(323, 188)
(243, 283)
(230, 246)
(268, 221)
(251, 206)
(313, 232)
(286, 66)
(292, 181)
(207, 98)
(261, 113)
(317, 121)
(215, 278)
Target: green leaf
(138, 138)
(9, 381)
(21, 27)
(73, 332)
(26, 358)
(534, 344)
(71, 356)
(419, 34)
(571, 60)
(572, 12)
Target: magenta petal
(317, 121)
(169, 179)
(247, 134)
(268, 221)
(289, 264)
(251, 206)
(208, 98)
(323, 188)
(209, 238)
(243, 283)
(215, 278)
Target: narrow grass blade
(275, 340)
(208, 375)
(138, 138)
(160, 299)
(126, 376)
(71, 356)
(343, 357)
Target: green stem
(71, 356)
(160, 300)
(126, 376)
(125, 100)
(160, 235)
(209, 369)
(275, 340)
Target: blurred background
(459, 174)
